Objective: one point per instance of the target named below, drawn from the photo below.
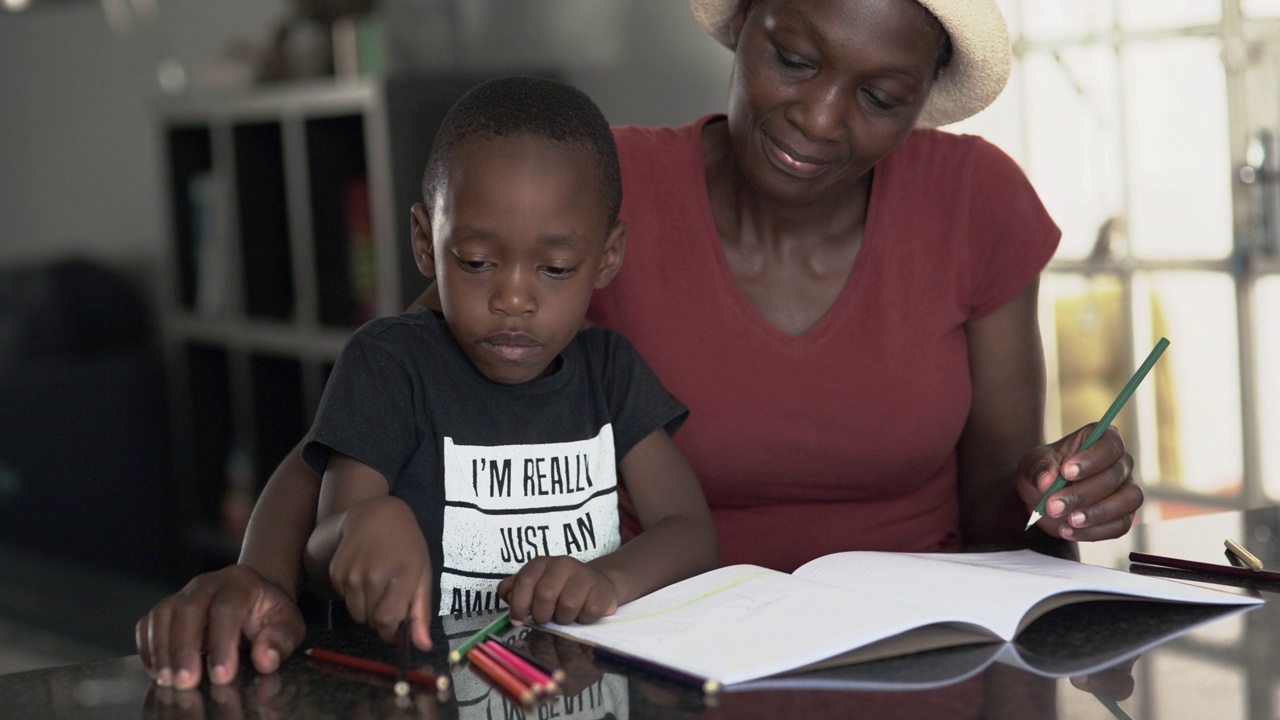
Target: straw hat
(980, 59)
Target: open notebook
(742, 623)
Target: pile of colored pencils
(515, 673)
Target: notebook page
(992, 589)
(743, 622)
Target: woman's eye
(791, 61)
(878, 100)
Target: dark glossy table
(1204, 663)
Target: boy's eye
(557, 272)
(474, 265)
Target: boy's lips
(512, 346)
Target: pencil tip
(1035, 518)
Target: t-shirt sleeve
(638, 402)
(366, 411)
(1012, 236)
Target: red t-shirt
(842, 438)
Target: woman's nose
(823, 110)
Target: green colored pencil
(459, 654)
(1104, 423)
(1113, 706)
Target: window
(1147, 127)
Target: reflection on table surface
(1094, 660)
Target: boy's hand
(559, 588)
(213, 612)
(382, 569)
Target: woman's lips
(794, 162)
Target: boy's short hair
(528, 105)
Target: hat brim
(981, 57)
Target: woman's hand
(559, 588)
(1100, 499)
(212, 613)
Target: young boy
(472, 457)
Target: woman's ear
(615, 248)
(421, 241)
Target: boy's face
(519, 238)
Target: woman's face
(823, 89)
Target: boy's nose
(513, 294)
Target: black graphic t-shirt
(496, 474)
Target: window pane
(1268, 400)
(1062, 19)
(1164, 14)
(1086, 350)
(1261, 8)
(1180, 201)
(1074, 141)
(1192, 398)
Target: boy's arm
(678, 538)
(368, 549)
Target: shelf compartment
(210, 427)
(341, 220)
(190, 163)
(263, 221)
(279, 411)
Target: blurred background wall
(79, 146)
(88, 521)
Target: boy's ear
(420, 239)
(615, 248)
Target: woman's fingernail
(1070, 471)
(184, 679)
(166, 678)
(1066, 532)
(1077, 519)
(1056, 508)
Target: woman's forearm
(282, 520)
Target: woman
(846, 303)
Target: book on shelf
(208, 253)
(361, 261)
(743, 623)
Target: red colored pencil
(500, 675)
(556, 674)
(421, 677)
(525, 679)
(518, 667)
